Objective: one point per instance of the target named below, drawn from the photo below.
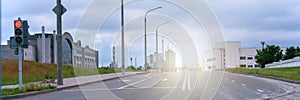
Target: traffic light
(18, 31)
(25, 34)
(21, 32)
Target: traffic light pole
(20, 66)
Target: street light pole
(145, 19)
(156, 52)
(123, 43)
(157, 34)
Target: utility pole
(59, 43)
(123, 47)
(0, 56)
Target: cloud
(251, 21)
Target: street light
(122, 38)
(145, 17)
(157, 34)
(156, 64)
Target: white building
(170, 60)
(163, 61)
(229, 54)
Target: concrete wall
(48, 49)
(30, 53)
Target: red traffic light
(18, 24)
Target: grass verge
(6, 92)
(34, 71)
(291, 73)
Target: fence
(286, 63)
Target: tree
(290, 53)
(297, 54)
(268, 55)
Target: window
(257, 66)
(250, 58)
(243, 66)
(67, 52)
(250, 66)
(242, 58)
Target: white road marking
(132, 84)
(187, 81)
(259, 90)
(243, 84)
(126, 80)
(165, 79)
(233, 81)
(226, 78)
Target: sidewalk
(81, 80)
(71, 82)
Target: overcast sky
(249, 21)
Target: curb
(16, 96)
(274, 78)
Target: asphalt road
(192, 85)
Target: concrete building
(163, 61)
(170, 59)
(73, 53)
(230, 54)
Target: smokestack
(43, 44)
(114, 57)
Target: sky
(97, 23)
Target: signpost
(59, 10)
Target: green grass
(34, 71)
(6, 92)
(292, 73)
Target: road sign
(63, 10)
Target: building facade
(229, 54)
(73, 53)
(170, 60)
(163, 61)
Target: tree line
(273, 53)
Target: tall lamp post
(145, 17)
(123, 43)
(157, 34)
(156, 52)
